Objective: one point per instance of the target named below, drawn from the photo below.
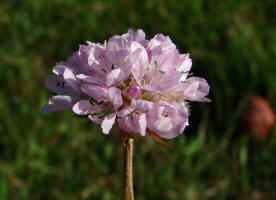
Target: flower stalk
(129, 145)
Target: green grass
(57, 156)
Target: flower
(140, 84)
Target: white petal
(143, 124)
(108, 123)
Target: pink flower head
(140, 84)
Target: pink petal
(115, 96)
(59, 102)
(58, 85)
(185, 65)
(97, 92)
(168, 60)
(159, 124)
(134, 123)
(139, 35)
(161, 82)
(59, 69)
(71, 79)
(95, 119)
(139, 60)
(185, 68)
(114, 77)
(83, 107)
(126, 111)
(130, 124)
(168, 120)
(95, 53)
(135, 92)
(141, 105)
(160, 41)
(196, 89)
(89, 79)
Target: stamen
(125, 59)
(100, 102)
(143, 81)
(162, 72)
(155, 64)
(92, 101)
(186, 81)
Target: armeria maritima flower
(140, 84)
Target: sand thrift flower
(142, 85)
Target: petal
(59, 102)
(184, 68)
(163, 81)
(75, 63)
(159, 124)
(139, 60)
(71, 79)
(126, 111)
(84, 107)
(89, 79)
(82, 58)
(139, 35)
(186, 65)
(135, 92)
(160, 41)
(95, 53)
(130, 123)
(143, 124)
(108, 123)
(196, 89)
(168, 60)
(141, 105)
(115, 96)
(114, 77)
(59, 69)
(177, 130)
(97, 92)
(58, 85)
(88, 57)
(95, 119)
(167, 120)
(115, 43)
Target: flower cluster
(140, 84)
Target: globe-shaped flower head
(139, 84)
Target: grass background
(56, 156)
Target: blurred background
(227, 152)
